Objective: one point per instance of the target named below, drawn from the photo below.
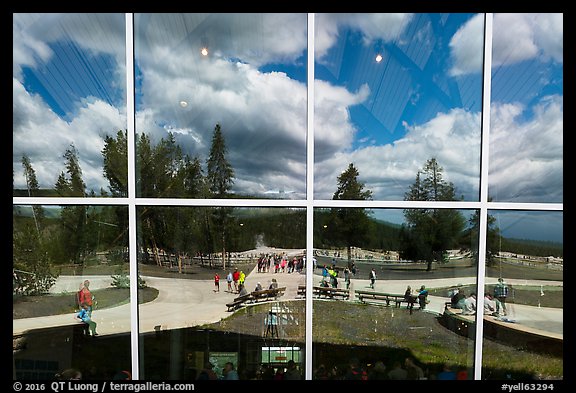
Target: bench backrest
(370, 293)
(268, 291)
(243, 297)
(330, 289)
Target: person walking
(216, 282)
(229, 280)
(347, 277)
(372, 278)
(423, 297)
(501, 293)
(235, 278)
(241, 277)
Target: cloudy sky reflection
(422, 100)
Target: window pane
(194, 320)
(224, 95)
(68, 95)
(64, 257)
(527, 128)
(524, 320)
(393, 91)
(358, 319)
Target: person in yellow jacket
(241, 278)
(332, 273)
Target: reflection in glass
(226, 89)
(526, 130)
(215, 269)
(67, 258)
(377, 319)
(69, 95)
(393, 91)
(524, 310)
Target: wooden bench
(255, 296)
(331, 293)
(267, 294)
(397, 298)
(301, 291)
(238, 302)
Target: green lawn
(43, 305)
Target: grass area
(43, 305)
(49, 304)
(388, 332)
(530, 295)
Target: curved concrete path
(186, 303)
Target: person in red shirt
(85, 296)
(217, 283)
(235, 278)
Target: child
(84, 316)
(217, 282)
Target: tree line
(163, 170)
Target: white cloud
(466, 47)
(26, 48)
(333, 128)
(373, 26)
(254, 38)
(98, 33)
(452, 138)
(516, 37)
(44, 137)
(519, 37)
(527, 155)
(263, 117)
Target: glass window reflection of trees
(197, 159)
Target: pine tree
(220, 178)
(115, 154)
(470, 239)
(220, 172)
(73, 218)
(350, 225)
(32, 186)
(430, 232)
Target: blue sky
(422, 100)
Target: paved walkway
(186, 303)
